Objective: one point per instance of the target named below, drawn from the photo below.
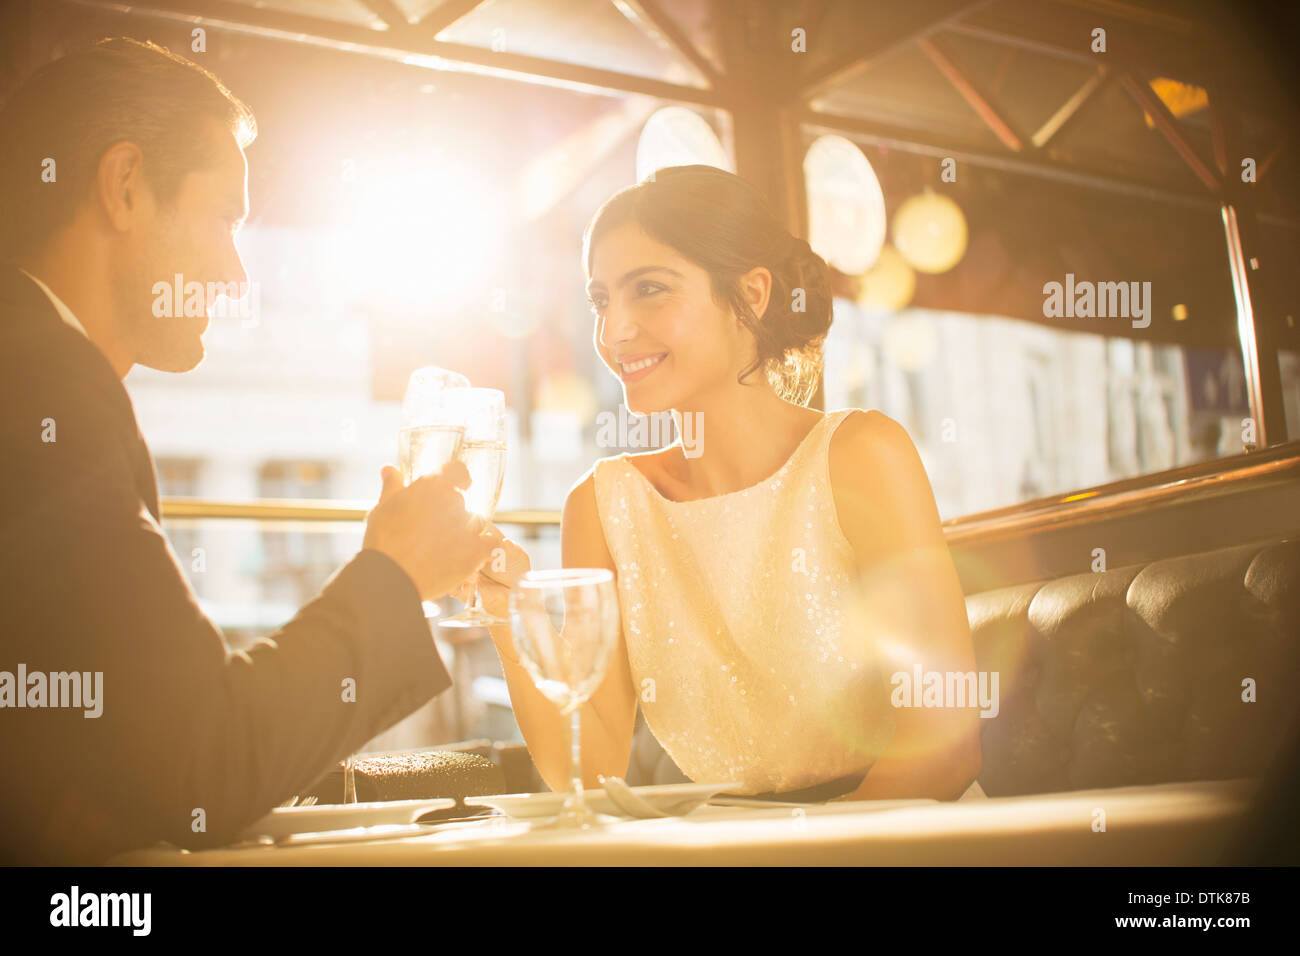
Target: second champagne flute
(432, 429)
(483, 450)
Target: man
(123, 165)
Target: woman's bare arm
(911, 600)
(609, 716)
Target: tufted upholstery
(1127, 676)
(1134, 675)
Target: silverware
(741, 801)
(623, 797)
(293, 801)
(387, 831)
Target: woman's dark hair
(721, 223)
(74, 108)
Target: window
(1007, 401)
(294, 562)
(179, 477)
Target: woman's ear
(756, 286)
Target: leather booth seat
(1128, 676)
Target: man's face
(193, 236)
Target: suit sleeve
(195, 741)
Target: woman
(772, 579)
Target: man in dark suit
(123, 166)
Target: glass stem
(575, 760)
(349, 782)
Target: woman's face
(658, 327)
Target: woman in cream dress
(779, 568)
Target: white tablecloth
(1168, 824)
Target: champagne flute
(483, 412)
(430, 437)
(565, 625)
(432, 430)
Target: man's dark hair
(73, 109)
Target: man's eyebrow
(629, 276)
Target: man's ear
(120, 186)
(756, 287)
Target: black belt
(816, 794)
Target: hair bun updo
(798, 318)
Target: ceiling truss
(393, 36)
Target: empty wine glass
(565, 625)
(483, 413)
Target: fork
(293, 801)
(623, 797)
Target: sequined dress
(751, 657)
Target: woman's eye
(597, 305)
(648, 288)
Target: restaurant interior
(1119, 491)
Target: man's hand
(426, 530)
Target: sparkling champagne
(426, 449)
(486, 462)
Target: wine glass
(430, 437)
(483, 412)
(424, 391)
(432, 429)
(565, 625)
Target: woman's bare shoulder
(582, 537)
(879, 483)
(861, 439)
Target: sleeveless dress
(752, 659)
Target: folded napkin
(974, 792)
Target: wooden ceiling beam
(984, 109)
(903, 29)
(914, 141)
(450, 12)
(389, 12)
(1070, 108)
(1268, 160)
(650, 18)
(1186, 51)
(1146, 98)
(1167, 22)
(409, 46)
(1021, 42)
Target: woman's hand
(506, 565)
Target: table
(1160, 825)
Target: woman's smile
(633, 368)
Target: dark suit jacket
(88, 583)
